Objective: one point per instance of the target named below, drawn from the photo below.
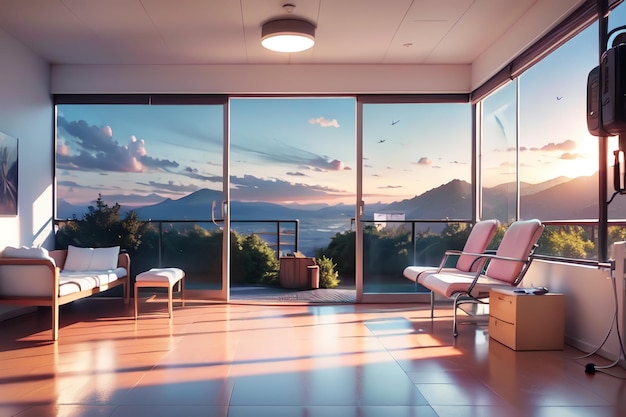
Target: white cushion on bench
(31, 282)
(171, 275)
(71, 282)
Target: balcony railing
(169, 242)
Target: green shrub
(329, 278)
(103, 226)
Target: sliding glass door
(414, 186)
(162, 166)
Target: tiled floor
(250, 359)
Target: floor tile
(261, 359)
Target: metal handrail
(159, 225)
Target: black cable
(592, 368)
(612, 197)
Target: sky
(303, 150)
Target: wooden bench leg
(127, 291)
(55, 323)
(182, 291)
(162, 278)
(136, 296)
(170, 308)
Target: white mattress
(34, 280)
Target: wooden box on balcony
(298, 272)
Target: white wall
(589, 302)
(261, 79)
(26, 112)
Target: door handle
(213, 213)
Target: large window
(293, 158)
(499, 155)
(547, 145)
(138, 156)
(558, 156)
(164, 163)
(417, 167)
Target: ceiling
(216, 32)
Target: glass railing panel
(391, 246)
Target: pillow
(104, 258)
(26, 252)
(91, 259)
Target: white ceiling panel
(226, 32)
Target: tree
(342, 247)
(103, 226)
(197, 250)
(568, 242)
(252, 260)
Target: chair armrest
(123, 261)
(28, 261)
(488, 256)
(23, 277)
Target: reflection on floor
(321, 295)
(272, 359)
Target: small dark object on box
(533, 291)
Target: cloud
(324, 122)
(172, 187)
(568, 145)
(390, 187)
(424, 161)
(93, 148)
(251, 188)
(296, 174)
(282, 153)
(193, 173)
(70, 184)
(571, 156)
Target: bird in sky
(559, 97)
(393, 122)
(382, 140)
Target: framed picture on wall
(8, 175)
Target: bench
(36, 277)
(161, 278)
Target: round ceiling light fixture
(288, 35)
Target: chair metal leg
(455, 305)
(432, 304)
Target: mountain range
(558, 199)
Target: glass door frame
(361, 296)
(223, 293)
